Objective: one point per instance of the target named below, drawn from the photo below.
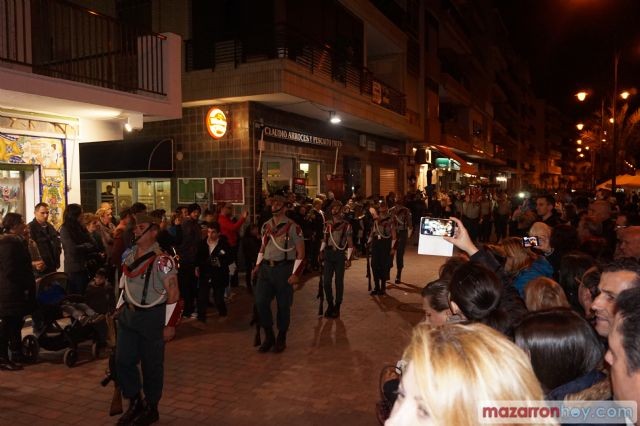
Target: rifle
(321, 290)
(116, 400)
(110, 374)
(368, 249)
(257, 341)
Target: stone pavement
(328, 374)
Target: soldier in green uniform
(148, 315)
(278, 267)
(404, 228)
(383, 245)
(335, 251)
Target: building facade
(70, 75)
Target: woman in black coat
(17, 289)
(78, 247)
(212, 268)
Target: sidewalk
(327, 375)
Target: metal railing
(59, 39)
(284, 43)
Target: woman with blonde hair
(523, 264)
(544, 293)
(452, 369)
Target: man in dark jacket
(47, 239)
(191, 236)
(17, 293)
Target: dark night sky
(569, 45)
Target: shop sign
(216, 123)
(447, 163)
(291, 135)
(300, 186)
(228, 190)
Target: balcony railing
(62, 40)
(283, 43)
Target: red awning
(464, 166)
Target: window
(154, 193)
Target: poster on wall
(300, 186)
(228, 190)
(48, 153)
(192, 190)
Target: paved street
(327, 376)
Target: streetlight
(580, 126)
(582, 95)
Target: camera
(437, 227)
(530, 241)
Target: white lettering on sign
(291, 135)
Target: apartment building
(71, 75)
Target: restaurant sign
(293, 136)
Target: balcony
(60, 40)
(339, 68)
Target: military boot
(336, 311)
(136, 406)
(376, 287)
(269, 340)
(398, 276)
(329, 312)
(281, 342)
(149, 415)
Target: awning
(131, 158)
(464, 166)
(484, 159)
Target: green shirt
(163, 266)
(280, 239)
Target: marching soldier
(404, 228)
(336, 251)
(278, 267)
(150, 311)
(383, 244)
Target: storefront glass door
(154, 193)
(310, 171)
(277, 173)
(12, 197)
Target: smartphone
(437, 227)
(530, 241)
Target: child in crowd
(100, 295)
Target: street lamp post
(614, 133)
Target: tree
(628, 134)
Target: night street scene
(319, 212)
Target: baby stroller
(51, 296)
(390, 376)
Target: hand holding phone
(437, 227)
(530, 241)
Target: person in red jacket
(231, 229)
